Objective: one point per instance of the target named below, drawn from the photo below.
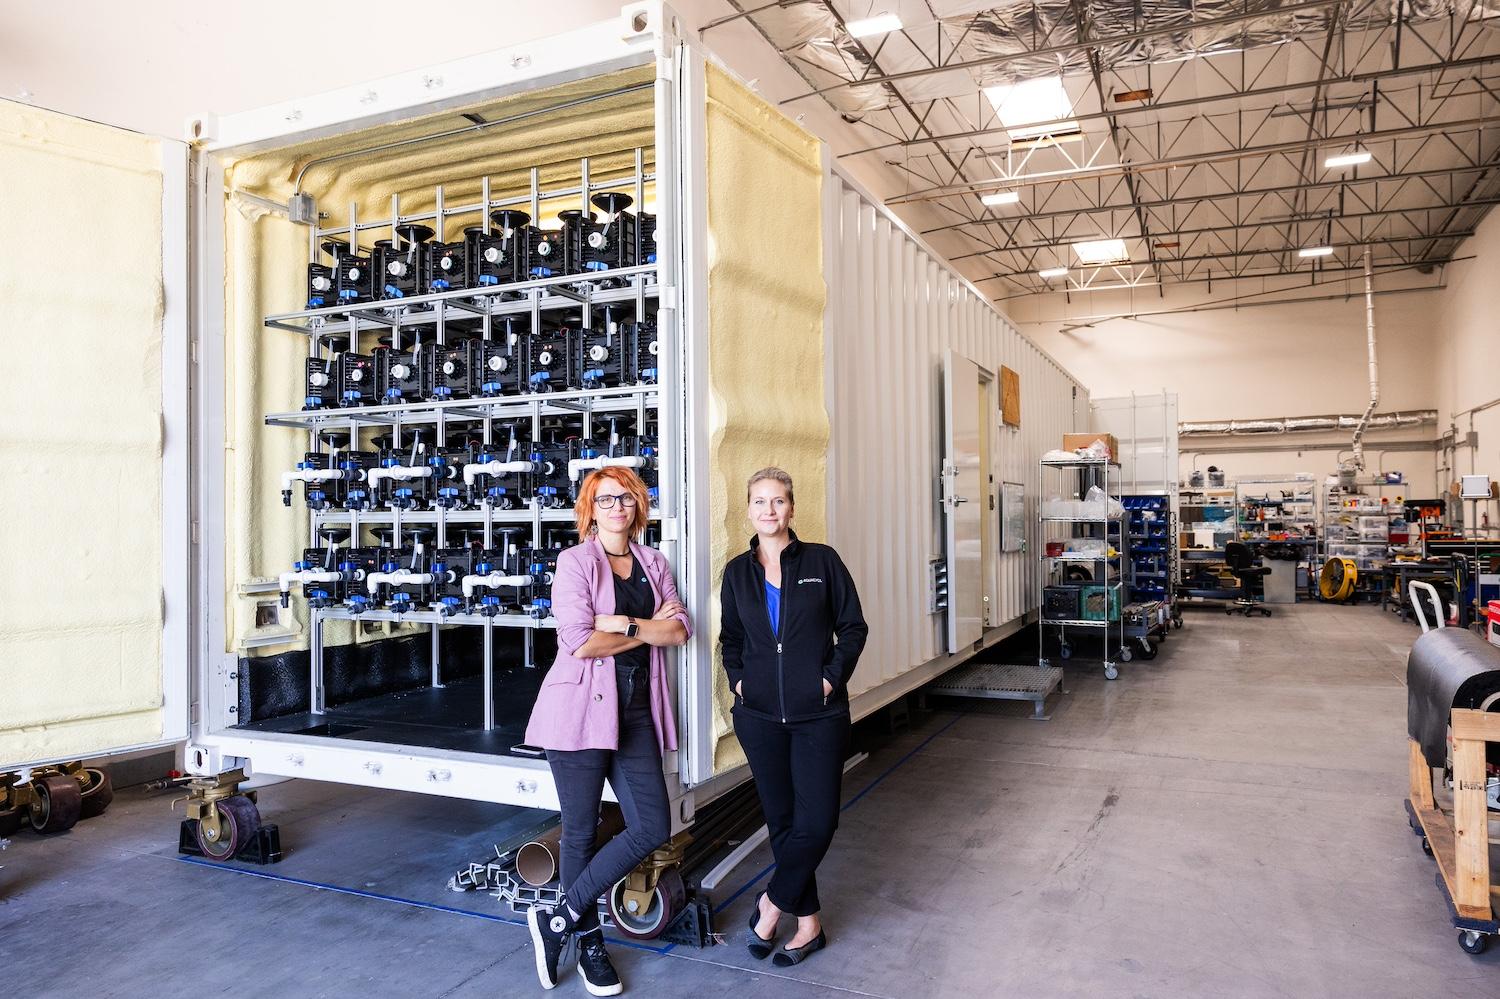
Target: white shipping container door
(963, 500)
(94, 660)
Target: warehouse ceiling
(1202, 134)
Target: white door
(94, 604)
(963, 500)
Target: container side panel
(896, 310)
(766, 305)
(81, 645)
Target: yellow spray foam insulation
(265, 273)
(765, 301)
(81, 439)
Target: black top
(633, 598)
(820, 632)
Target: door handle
(955, 500)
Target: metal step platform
(1002, 682)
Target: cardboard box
(1076, 442)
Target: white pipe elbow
(473, 471)
(397, 578)
(492, 580)
(286, 579)
(403, 473)
(309, 475)
(577, 465)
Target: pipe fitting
(491, 581)
(398, 578)
(473, 471)
(577, 465)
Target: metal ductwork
(1358, 461)
(1307, 424)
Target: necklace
(615, 554)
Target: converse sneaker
(549, 935)
(599, 975)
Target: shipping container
(798, 323)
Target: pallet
(1460, 843)
(1002, 682)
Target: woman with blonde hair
(791, 633)
(605, 711)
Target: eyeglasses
(607, 502)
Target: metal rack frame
(348, 322)
(1047, 564)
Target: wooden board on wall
(1010, 397)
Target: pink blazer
(578, 706)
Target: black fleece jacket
(822, 632)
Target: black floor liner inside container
(450, 717)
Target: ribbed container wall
(893, 311)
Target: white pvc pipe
(577, 465)
(308, 576)
(397, 578)
(401, 472)
(309, 475)
(471, 472)
(494, 579)
(1359, 431)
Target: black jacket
(783, 673)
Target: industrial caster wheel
(97, 793)
(1126, 655)
(666, 902)
(1426, 846)
(58, 802)
(1110, 672)
(1265, 612)
(1177, 623)
(1148, 649)
(238, 821)
(1473, 942)
(1044, 663)
(1066, 651)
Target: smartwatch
(631, 629)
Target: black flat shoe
(759, 947)
(788, 956)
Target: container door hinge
(666, 297)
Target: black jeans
(798, 768)
(634, 772)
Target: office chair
(1252, 580)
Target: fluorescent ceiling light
(1347, 159)
(1022, 105)
(880, 24)
(1000, 198)
(1052, 272)
(1101, 251)
(1315, 251)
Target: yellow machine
(1336, 581)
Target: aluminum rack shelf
(1082, 463)
(434, 617)
(564, 291)
(521, 516)
(621, 399)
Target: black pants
(634, 772)
(798, 770)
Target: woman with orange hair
(605, 711)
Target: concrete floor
(1223, 821)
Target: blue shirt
(773, 606)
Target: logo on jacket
(809, 579)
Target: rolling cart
(1079, 575)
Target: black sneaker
(549, 935)
(599, 975)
